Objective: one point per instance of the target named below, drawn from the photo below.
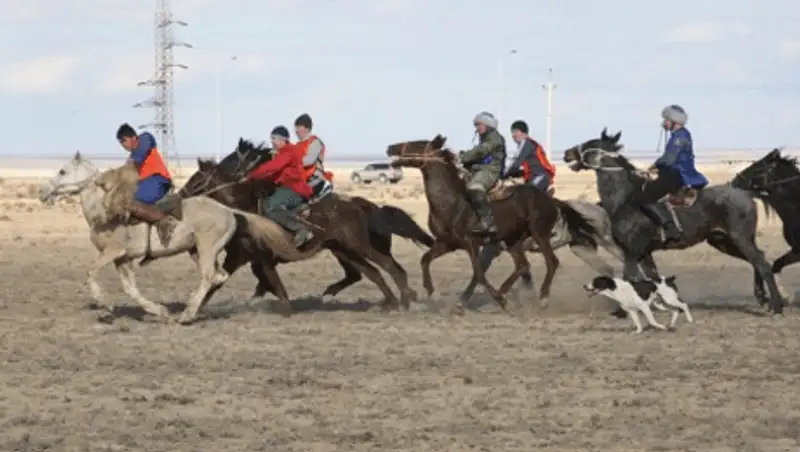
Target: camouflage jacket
(488, 155)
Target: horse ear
(616, 137)
(77, 155)
(670, 279)
(604, 134)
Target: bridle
(601, 153)
(70, 188)
(208, 176)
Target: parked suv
(381, 172)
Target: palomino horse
(723, 216)
(525, 212)
(356, 231)
(204, 230)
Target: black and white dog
(635, 297)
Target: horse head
(770, 173)
(418, 153)
(70, 179)
(596, 153)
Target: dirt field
(336, 378)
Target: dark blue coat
(679, 156)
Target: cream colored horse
(206, 226)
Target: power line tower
(162, 81)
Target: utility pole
(549, 87)
(163, 81)
(218, 106)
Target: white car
(381, 172)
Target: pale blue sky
(382, 71)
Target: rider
(312, 149)
(155, 181)
(286, 170)
(531, 162)
(485, 164)
(676, 169)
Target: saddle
(500, 192)
(684, 197)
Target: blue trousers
(152, 189)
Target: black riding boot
(480, 203)
(288, 219)
(659, 214)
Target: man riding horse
(676, 170)
(293, 190)
(531, 162)
(155, 182)
(485, 165)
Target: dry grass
(335, 378)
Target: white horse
(204, 229)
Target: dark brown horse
(355, 230)
(524, 212)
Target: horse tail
(577, 225)
(768, 209)
(268, 236)
(388, 220)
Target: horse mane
(119, 185)
(247, 155)
(784, 158)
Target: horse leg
(521, 266)
(438, 249)
(269, 272)
(723, 243)
(395, 270)
(107, 256)
(209, 245)
(477, 271)
(351, 276)
(551, 263)
(792, 256)
(756, 258)
(373, 274)
(263, 286)
(488, 254)
(128, 279)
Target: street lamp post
(549, 87)
(501, 89)
(218, 103)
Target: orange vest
(308, 171)
(154, 164)
(548, 167)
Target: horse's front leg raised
(438, 249)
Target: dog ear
(670, 279)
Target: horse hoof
(107, 318)
(411, 294)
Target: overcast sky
(376, 72)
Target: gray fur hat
(675, 113)
(486, 119)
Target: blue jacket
(679, 156)
(147, 142)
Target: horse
(775, 179)
(584, 250)
(203, 230)
(356, 231)
(721, 215)
(524, 211)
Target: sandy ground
(336, 378)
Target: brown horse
(356, 231)
(524, 211)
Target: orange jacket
(285, 169)
(309, 170)
(542, 157)
(154, 164)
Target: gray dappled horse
(204, 229)
(721, 215)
